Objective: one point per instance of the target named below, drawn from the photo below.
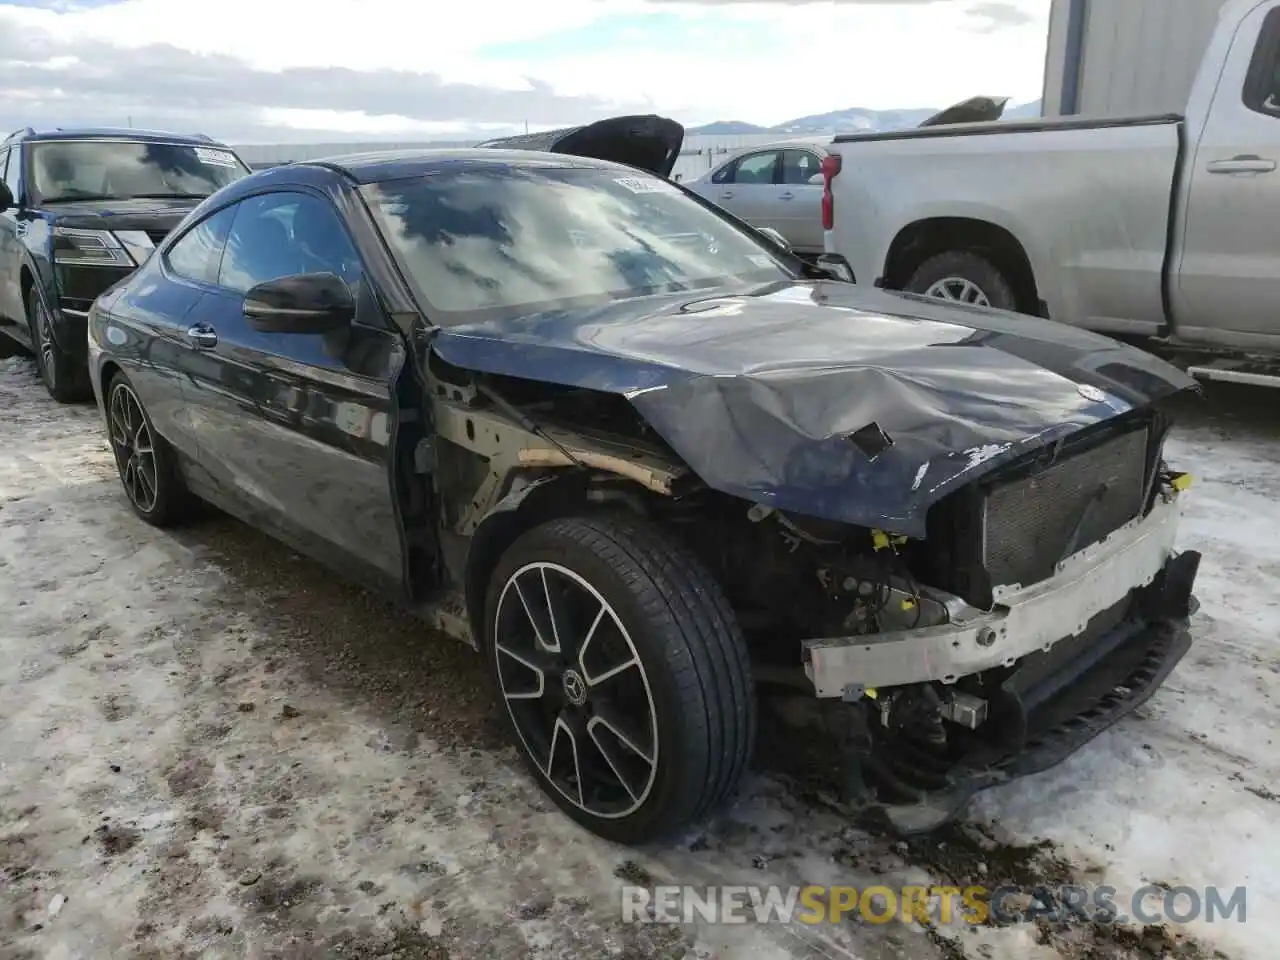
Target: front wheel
(963, 277)
(623, 673)
(66, 378)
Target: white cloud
(825, 56)
(388, 67)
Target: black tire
(965, 266)
(690, 651)
(169, 502)
(66, 378)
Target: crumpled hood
(761, 392)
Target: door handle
(203, 335)
(786, 196)
(1244, 163)
(726, 194)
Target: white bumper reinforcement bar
(1022, 620)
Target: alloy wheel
(958, 289)
(576, 690)
(134, 447)
(48, 347)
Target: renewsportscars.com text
(937, 904)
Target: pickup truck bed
(1004, 127)
(1105, 268)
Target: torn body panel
(508, 450)
(826, 399)
(488, 464)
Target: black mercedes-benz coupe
(643, 458)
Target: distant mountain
(852, 120)
(1024, 112)
(728, 128)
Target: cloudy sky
(275, 70)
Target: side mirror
(6, 197)
(774, 237)
(303, 303)
(817, 180)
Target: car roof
(794, 143)
(31, 135)
(384, 165)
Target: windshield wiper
(165, 196)
(78, 198)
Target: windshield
(118, 170)
(507, 241)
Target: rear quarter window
(197, 253)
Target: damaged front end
(999, 681)
(956, 541)
(1045, 602)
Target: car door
(11, 313)
(146, 326)
(1228, 274)
(747, 188)
(296, 429)
(799, 201)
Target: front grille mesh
(1028, 522)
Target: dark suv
(79, 210)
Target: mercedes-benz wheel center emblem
(575, 688)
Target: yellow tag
(908, 604)
(1181, 482)
(881, 540)
(870, 692)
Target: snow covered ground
(211, 748)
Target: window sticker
(644, 185)
(216, 158)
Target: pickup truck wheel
(623, 672)
(66, 379)
(963, 277)
(146, 463)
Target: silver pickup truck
(1165, 227)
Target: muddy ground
(210, 747)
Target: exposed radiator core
(1029, 524)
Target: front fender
(37, 263)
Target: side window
(725, 173)
(283, 234)
(1262, 83)
(195, 256)
(13, 172)
(798, 166)
(757, 168)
